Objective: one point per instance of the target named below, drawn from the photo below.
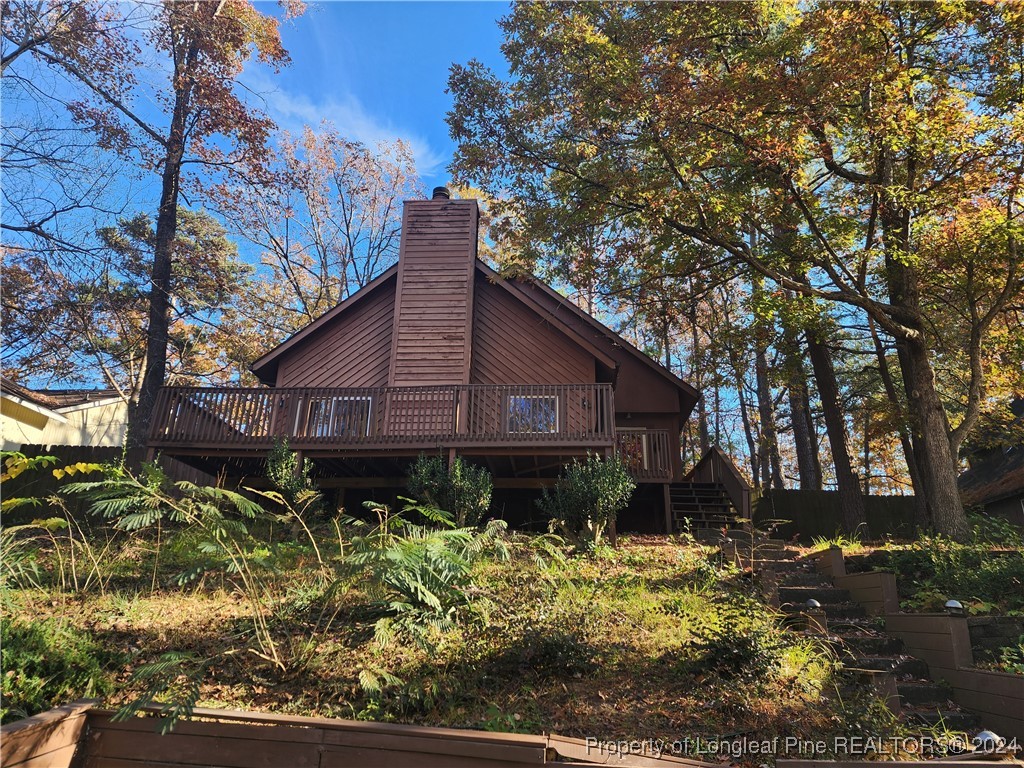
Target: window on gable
(536, 414)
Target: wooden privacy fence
(79, 735)
(253, 418)
(817, 514)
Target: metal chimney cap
(441, 193)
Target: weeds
(47, 663)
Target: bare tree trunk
(771, 461)
(928, 417)
(867, 451)
(163, 254)
(807, 460)
(702, 410)
(928, 423)
(851, 503)
(911, 455)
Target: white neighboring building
(61, 417)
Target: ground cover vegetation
(985, 574)
(206, 596)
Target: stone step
(919, 694)
(824, 595)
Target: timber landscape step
(800, 577)
(920, 693)
(948, 719)
(839, 611)
(826, 595)
(901, 666)
(860, 641)
(870, 645)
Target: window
(338, 417)
(533, 413)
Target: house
(95, 417)
(442, 354)
(994, 481)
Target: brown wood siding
(513, 345)
(354, 351)
(435, 297)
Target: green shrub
(939, 569)
(463, 489)
(293, 482)
(737, 641)
(46, 664)
(588, 496)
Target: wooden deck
(383, 419)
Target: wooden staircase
(701, 505)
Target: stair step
(871, 645)
(833, 611)
(950, 720)
(800, 577)
(824, 595)
(903, 666)
(920, 693)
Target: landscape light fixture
(987, 741)
(955, 608)
(813, 605)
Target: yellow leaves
(14, 466)
(71, 469)
(16, 463)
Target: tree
(862, 125)
(325, 214)
(67, 323)
(57, 180)
(194, 117)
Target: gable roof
(554, 302)
(1000, 477)
(265, 367)
(601, 342)
(55, 402)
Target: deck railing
(646, 453)
(384, 417)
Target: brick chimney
(433, 327)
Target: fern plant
(219, 515)
(172, 686)
(415, 576)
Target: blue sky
(378, 71)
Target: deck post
(666, 494)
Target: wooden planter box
(78, 734)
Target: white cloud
(292, 111)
